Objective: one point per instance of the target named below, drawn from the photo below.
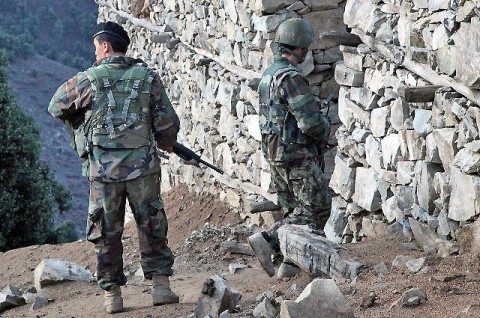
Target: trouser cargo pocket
(95, 226)
(158, 220)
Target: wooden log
(317, 255)
(237, 70)
(397, 55)
(237, 248)
(263, 206)
(135, 21)
(335, 38)
(419, 94)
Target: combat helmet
(295, 32)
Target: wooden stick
(237, 70)
(398, 56)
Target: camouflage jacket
(292, 125)
(73, 102)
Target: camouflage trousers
(303, 195)
(105, 226)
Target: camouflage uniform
(121, 161)
(294, 132)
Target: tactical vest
(282, 140)
(122, 119)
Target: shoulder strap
(279, 75)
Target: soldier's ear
(106, 46)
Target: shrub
(29, 194)
(65, 233)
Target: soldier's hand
(168, 149)
(321, 161)
(164, 147)
(321, 147)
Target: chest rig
(122, 119)
(276, 118)
(282, 139)
(274, 114)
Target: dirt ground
(199, 255)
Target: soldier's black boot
(263, 250)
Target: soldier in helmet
(118, 113)
(294, 136)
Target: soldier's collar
(279, 58)
(115, 60)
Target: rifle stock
(188, 154)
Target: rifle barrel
(211, 166)
(188, 154)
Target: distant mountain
(42, 37)
(58, 29)
(34, 81)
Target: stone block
(348, 77)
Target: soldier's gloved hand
(321, 161)
(168, 149)
(321, 148)
(165, 147)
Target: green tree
(29, 194)
(64, 233)
(45, 30)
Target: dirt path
(199, 256)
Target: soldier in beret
(294, 137)
(118, 113)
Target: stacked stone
(211, 55)
(408, 147)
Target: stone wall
(408, 149)
(210, 54)
(408, 145)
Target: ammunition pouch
(82, 145)
(76, 130)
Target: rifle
(188, 154)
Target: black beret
(111, 28)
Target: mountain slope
(34, 81)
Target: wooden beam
(419, 94)
(135, 21)
(237, 248)
(397, 55)
(235, 69)
(263, 206)
(317, 255)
